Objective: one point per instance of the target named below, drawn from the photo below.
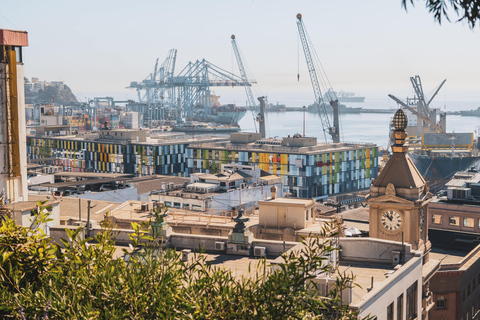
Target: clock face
(422, 219)
(391, 220)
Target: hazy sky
(370, 47)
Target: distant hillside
(42, 92)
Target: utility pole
(88, 217)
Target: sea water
(354, 127)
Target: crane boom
(243, 74)
(427, 120)
(334, 131)
(248, 90)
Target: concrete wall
(384, 293)
(17, 190)
(194, 242)
(218, 203)
(371, 249)
(25, 219)
(286, 215)
(48, 178)
(447, 210)
(249, 195)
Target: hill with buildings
(37, 91)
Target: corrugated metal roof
(14, 37)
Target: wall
(24, 218)
(447, 210)
(295, 214)
(49, 178)
(17, 191)
(384, 293)
(250, 197)
(370, 249)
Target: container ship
(225, 114)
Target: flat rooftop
(287, 200)
(447, 256)
(256, 147)
(156, 139)
(363, 272)
(69, 207)
(92, 175)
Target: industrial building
(308, 169)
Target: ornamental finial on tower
(400, 120)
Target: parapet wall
(369, 249)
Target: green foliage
(83, 280)
(468, 10)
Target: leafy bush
(83, 280)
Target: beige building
(398, 202)
(21, 214)
(286, 212)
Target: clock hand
(390, 217)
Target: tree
(82, 280)
(466, 10)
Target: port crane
(248, 89)
(422, 111)
(333, 131)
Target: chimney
(273, 189)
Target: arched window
(441, 303)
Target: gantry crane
(248, 89)
(333, 131)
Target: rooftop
(257, 147)
(157, 139)
(294, 201)
(363, 272)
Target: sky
(370, 47)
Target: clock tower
(399, 197)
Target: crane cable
(298, 57)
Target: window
(412, 301)
(454, 221)
(400, 307)
(468, 222)
(306, 214)
(390, 312)
(441, 303)
(437, 219)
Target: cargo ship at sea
(342, 96)
(228, 114)
(438, 155)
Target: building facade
(13, 157)
(307, 169)
(115, 151)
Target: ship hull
(228, 117)
(441, 168)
